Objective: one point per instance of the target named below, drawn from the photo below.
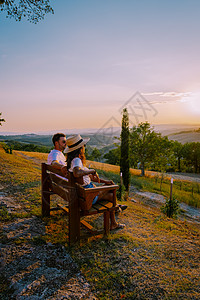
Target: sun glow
(193, 102)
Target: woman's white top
(77, 162)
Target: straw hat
(75, 142)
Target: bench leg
(74, 219)
(106, 222)
(45, 193)
(45, 205)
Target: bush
(171, 208)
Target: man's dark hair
(56, 137)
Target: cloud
(166, 97)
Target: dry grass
(116, 169)
(34, 156)
(152, 258)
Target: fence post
(171, 187)
(121, 183)
(170, 199)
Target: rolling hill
(186, 136)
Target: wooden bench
(78, 201)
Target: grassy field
(183, 190)
(152, 258)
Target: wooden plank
(65, 208)
(83, 192)
(63, 193)
(105, 206)
(55, 208)
(60, 181)
(88, 226)
(86, 196)
(74, 218)
(53, 170)
(86, 203)
(83, 222)
(99, 207)
(48, 192)
(106, 203)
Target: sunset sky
(79, 67)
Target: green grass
(183, 191)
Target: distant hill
(186, 136)
(104, 137)
(42, 140)
(96, 140)
(168, 129)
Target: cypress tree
(124, 156)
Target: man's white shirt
(58, 156)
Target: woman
(76, 163)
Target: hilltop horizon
(163, 128)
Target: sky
(79, 67)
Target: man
(56, 158)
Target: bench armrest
(86, 196)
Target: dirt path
(185, 176)
(187, 212)
(34, 159)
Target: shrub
(171, 208)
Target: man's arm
(78, 172)
(59, 166)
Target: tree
(1, 120)
(178, 153)
(124, 155)
(145, 145)
(34, 11)
(96, 154)
(164, 154)
(113, 156)
(191, 154)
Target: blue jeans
(88, 186)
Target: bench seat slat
(99, 207)
(65, 208)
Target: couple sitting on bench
(74, 147)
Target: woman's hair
(73, 154)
